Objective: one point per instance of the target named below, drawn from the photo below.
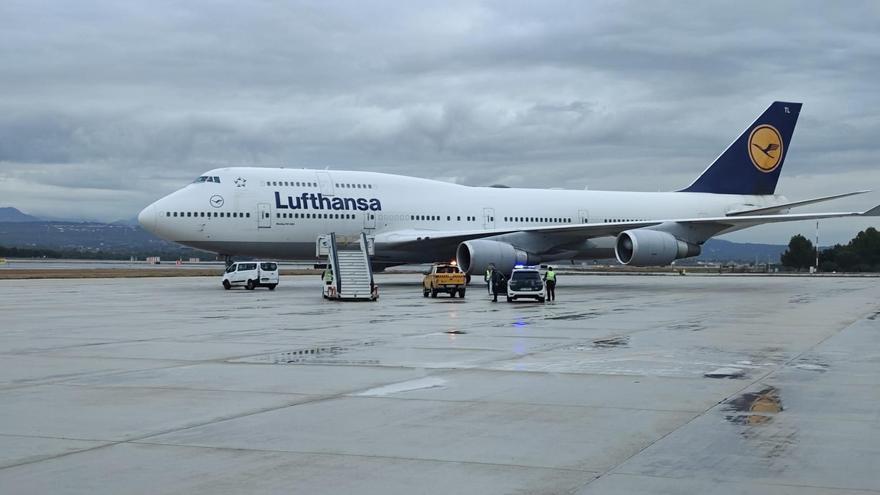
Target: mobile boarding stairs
(348, 258)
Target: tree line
(861, 254)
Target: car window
(270, 267)
(247, 266)
(230, 269)
(526, 276)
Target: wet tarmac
(631, 384)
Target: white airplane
(279, 213)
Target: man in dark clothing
(497, 284)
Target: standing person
(488, 278)
(327, 279)
(550, 278)
(497, 283)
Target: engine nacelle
(643, 247)
(476, 256)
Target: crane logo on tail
(765, 147)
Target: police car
(526, 282)
(251, 274)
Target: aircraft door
(325, 183)
(369, 220)
(489, 218)
(583, 216)
(264, 215)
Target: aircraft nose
(147, 218)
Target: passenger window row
(343, 216)
(210, 214)
(436, 218)
(354, 186)
(288, 183)
(619, 220)
(537, 219)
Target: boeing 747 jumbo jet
(279, 212)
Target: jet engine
(476, 256)
(643, 247)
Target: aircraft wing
(783, 206)
(704, 227)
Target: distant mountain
(133, 221)
(10, 214)
(117, 241)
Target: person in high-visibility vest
(488, 277)
(327, 278)
(550, 278)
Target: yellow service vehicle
(444, 277)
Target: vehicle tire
(227, 285)
(540, 299)
(509, 299)
(250, 285)
(272, 286)
(433, 293)
(425, 292)
(461, 293)
(467, 278)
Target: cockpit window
(208, 178)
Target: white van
(251, 274)
(526, 282)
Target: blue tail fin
(751, 165)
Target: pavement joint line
(364, 456)
(55, 437)
(762, 377)
(763, 482)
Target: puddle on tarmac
(754, 408)
(576, 316)
(801, 299)
(327, 354)
(811, 364)
(725, 372)
(611, 342)
(691, 326)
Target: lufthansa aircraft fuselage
(279, 213)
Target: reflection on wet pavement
(754, 408)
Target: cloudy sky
(106, 106)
